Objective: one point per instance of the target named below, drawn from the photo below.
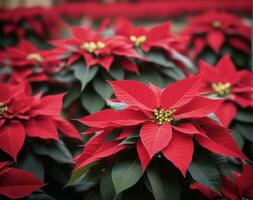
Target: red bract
(224, 81)
(30, 63)
(23, 115)
(95, 49)
(239, 186)
(16, 183)
(158, 36)
(39, 21)
(213, 29)
(169, 119)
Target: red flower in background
(224, 81)
(239, 186)
(157, 36)
(16, 183)
(23, 115)
(94, 48)
(168, 119)
(39, 21)
(30, 63)
(214, 29)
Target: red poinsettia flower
(23, 115)
(30, 63)
(157, 36)
(169, 119)
(16, 183)
(95, 49)
(239, 186)
(39, 21)
(224, 81)
(213, 29)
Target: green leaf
(102, 87)
(125, 174)
(244, 115)
(83, 74)
(186, 61)
(203, 170)
(157, 57)
(91, 101)
(78, 175)
(117, 72)
(238, 138)
(32, 164)
(106, 185)
(71, 96)
(164, 185)
(150, 75)
(55, 150)
(174, 73)
(223, 164)
(245, 130)
(116, 105)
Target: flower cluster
(167, 121)
(218, 31)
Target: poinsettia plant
(235, 87)
(214, 34)
(36, 23)
(95, 56)
(154, 126)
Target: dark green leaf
(83, 74)
(245, 130)
(70, 97)
(150, 75)
(186, 61)
(157, 57)
(164, 185)
(174, 73)
(238, 138)
(91, 101)
(32, 164)
(102, 87)
(244, 115)
(106, 185)
(116, 105)
(55, 150)
(117, 72)
(203, 170)
(125, 174)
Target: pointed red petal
(129, 65)
(187, 128)
(108, 118)
(12, 137)
(215, 39)
(179, 151)
(180, 93)
(155, 137)
(68, 129)
(143, 155)
(198, 107)
(51, 105)
(134, 93)
(41, 127)
(217, 139)
(226, 67)
(226, 113)
(15, 183)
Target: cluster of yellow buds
(35, 56)
(222, 89)
(3, 109)
(216, 24)
(92, 46)
(138, 41)
(163, 116)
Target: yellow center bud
(35, 56)
(90, 47)
(138, 41)
(163, 116)
(3, 109)
(216, 24)
(221, 89)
